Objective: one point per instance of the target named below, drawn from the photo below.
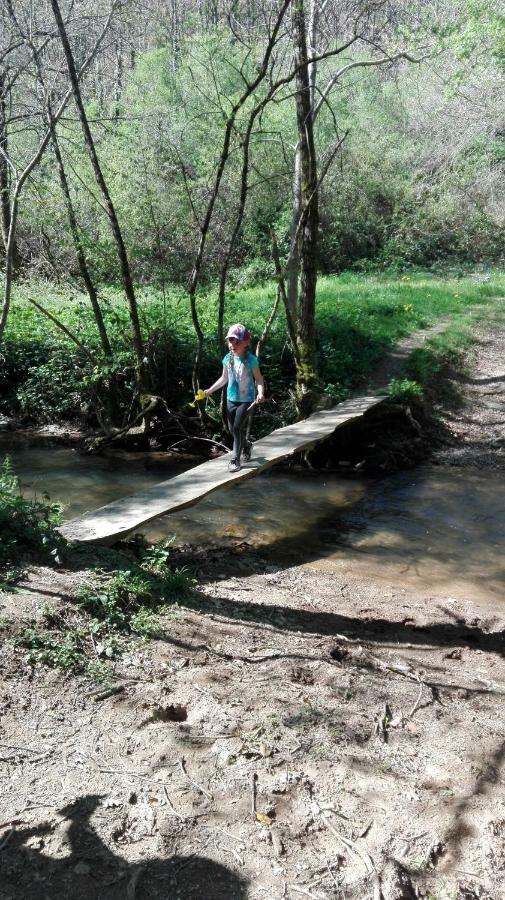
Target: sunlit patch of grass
(359, 317)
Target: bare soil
(295, 733)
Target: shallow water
(439, 530)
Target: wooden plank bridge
(120, 518)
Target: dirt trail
(293, 735)
(478, 423)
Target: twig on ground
(227, 833)
(416, 704)
(104, 693)
(12, 822)
(194, 783)
(125, 774)
(352, 848)
(254, 779)
(305, 892)
(20, 749)
(401, 719)
(171, 805)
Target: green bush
(404, 390)
(127, 600)
(62, 651)
(27, 527)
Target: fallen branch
(351, 847)
(171, 806)
(254, 780)
(194, 783)
(305, 892)
(207, 441)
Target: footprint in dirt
(91, 871)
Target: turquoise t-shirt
(241, 387)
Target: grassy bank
(44, 376)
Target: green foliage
(115, 601)
(128, 600)
(404, 390)
(358, 317)
(64, 652)
(27, 527)
(108, 609)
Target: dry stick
(254, 779)
(191, 438)
(227, 833)
(416, 704)
(15, 747)
(171, 805)
(353, 848)
(125, 774)
(194, 783)
(305, 892)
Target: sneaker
(234, 466)
(246, 452)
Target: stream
(435, 529)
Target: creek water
(435, 529)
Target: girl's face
(238, 347)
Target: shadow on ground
(91, 871)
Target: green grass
(358, 318)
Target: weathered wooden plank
(124, 516)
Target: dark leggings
(237, 414)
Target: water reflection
(436, 529)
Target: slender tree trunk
(74, 228)
(293, 268)
(307, 381)
(9, 263)
(5, 207)
(5, 211)
(138, 344)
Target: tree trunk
(74, 228)
(293, 267)
(138, 344)
(307, 381)
(9, 264)
(5, 208)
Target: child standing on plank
(241, 374)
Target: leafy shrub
(62, 651)
(404, 390)
(26, 526)
(127, 600)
